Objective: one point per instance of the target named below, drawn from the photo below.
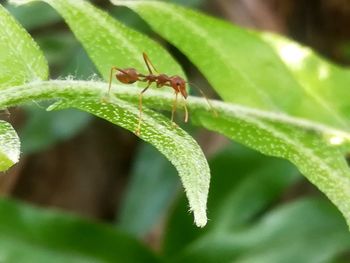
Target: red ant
(130, 75)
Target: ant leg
(140, 109)
(110, 79)
(186, 111)
(148, 63)
(174, 108)
(111, 76)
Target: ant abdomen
(127, 76)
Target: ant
(130, 75)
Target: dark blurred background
(90, 167)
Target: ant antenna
(206, 98)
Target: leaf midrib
(223, 60)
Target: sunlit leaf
(110, 43)
(174, 143)
(240, 66)
(20, 58)
(246, 70)
(315, 149)
(326, 82)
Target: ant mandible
(130, 75)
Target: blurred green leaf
(66, 57)
(59, 48)
(43, 129)
(240, 66)
(152, 186)
(34, 15)
(326, 82)
(9, 146)
(20, 58)
(237, 195)
(79, 66)
(108, 42)
(28, 234)
(242, 229)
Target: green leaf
(315, 149)
(34, 16)
(180, 148)
(152, 187)
(110, 43)
(9, 146)
(322, 80)
(280, 236)
(236, 196)
(28, 234)
(240, 66)
(20, 58)
(116, 43)
(246, 70)
(248, 223)
(43, 129)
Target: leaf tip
(200, 218)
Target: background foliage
(289, 103)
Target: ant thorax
(150, 78)
(162, 80)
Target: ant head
(179, 85)
(127, 76)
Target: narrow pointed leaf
(20, 58)
(321, 79)
(110, 43)
(246, 70)
(239, 65)
(315, 149)
(9, 146)
(180, 148)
